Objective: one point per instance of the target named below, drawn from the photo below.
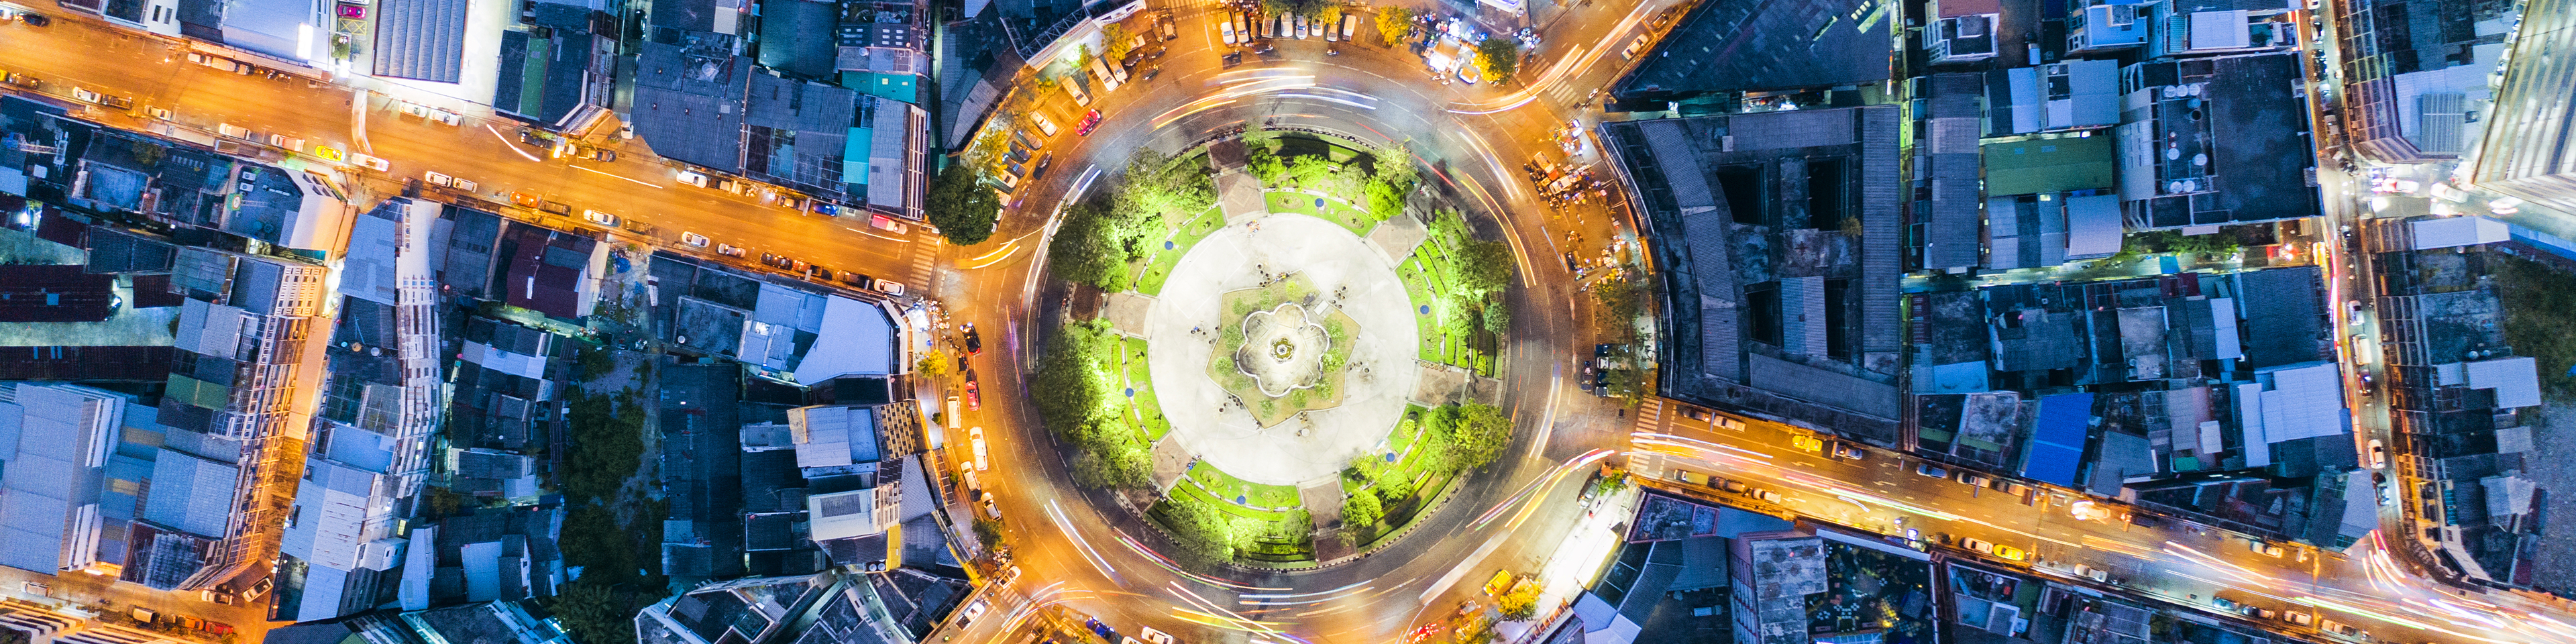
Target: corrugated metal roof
(421, 39)
(191, 494)
(2056, 449)
(2451, 232)
(2092, 226)
(2516, 380)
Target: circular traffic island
(1289, 365)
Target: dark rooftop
(1760, 45)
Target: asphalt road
(88, 54)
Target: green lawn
(1145, 413)
(1158, 267)
(1226, 487)
(1192, 492)
(1336, 210)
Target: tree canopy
(1499, 57)
(1394, 23)
(963, 209)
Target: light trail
(513, 146)
(628, 180)
(1062, 523)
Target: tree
(594, 612)
(1360, 514)
(1499, 57)
(963, 209)
(933, 364)
(1483, 267)
(1205, 534)
(1163, 186)
(1394, 23)
(1475, 434)
(1521, 602)
(1497, 317)
(1311, 172)
(1113, 42)
(1259, 159)
(1114, 466)
(1087, 247)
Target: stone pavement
(1181, 329)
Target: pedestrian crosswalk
(1650, 416)
(925, 265)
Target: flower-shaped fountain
(1283, 349)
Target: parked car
(2378, 455)
(21, 80)
(161, 113)
(1934, 471)
(974, 340)
(1153, 636)
(974, 393)
(693, 178)
(973, 611)
(440, 179)
(1039, 171)
(370, 162)
(2009, 552)
(693, 239)
(1849, 451)
(729, 250)
(1090, 121)
(1975, 479)
(601, 218)
(1976, 544)
(525, 200)
(233, 131)
(1732, 486)
(463, 185)
(2089, 572)
(1634, 46)
(890, 287)
(291, 143)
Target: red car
(974, 396)
(1089, 122)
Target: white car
(234, 131)
(434, 178)
(161, 113)
(1226, 29)
(973, 611)
(1156, 637)
(1634, 46)
(295, 143)
(693, 178)
(2378, 455)
(601, 218)
(1045, 125)
(1979, 545)
(890, 287)
(992, 508)
(693, 239)
(975, 441)
(372, 163)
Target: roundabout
(1291, 347)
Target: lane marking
(514, 147)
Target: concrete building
(1779, 238)
(2525, 151)
(381, 406)
(2414, 75)
(1961, 31)
(2213, 141)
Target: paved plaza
(1351, 277)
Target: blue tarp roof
(2057, 443)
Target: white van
(1350, 26)
(1074, 86)
(1331, 33)
(1226, 29)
